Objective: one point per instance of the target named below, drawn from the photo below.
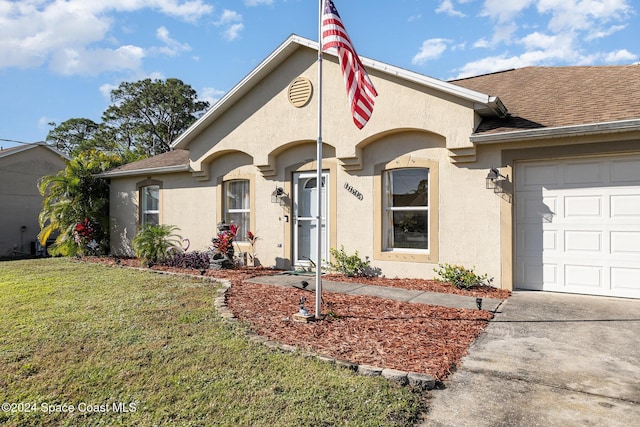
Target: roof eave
(144, 171)
(558, 132)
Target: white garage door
(578, 226)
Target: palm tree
(76, 205)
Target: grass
(89, 345)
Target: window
(406, 210)
(150, 204)
(237, 206)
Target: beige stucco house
(410, 190)
(21, 168)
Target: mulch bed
(363, 329)
(360, 329)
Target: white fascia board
(294, 42)
(145, 171)
(557, 132)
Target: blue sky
(59, 59)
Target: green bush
(154, 243)
(349, 265)
(461, 277)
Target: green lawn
(83, 345)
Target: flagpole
(318, 261)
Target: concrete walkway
(549, 359)
(398, 294)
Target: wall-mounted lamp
(279, 196)
(495, 180)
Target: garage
(577, 226)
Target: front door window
(305, 223)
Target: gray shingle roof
(170, 159)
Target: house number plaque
(358, 195)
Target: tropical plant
(461, 277)
(155, 242)
(252, 238)
(349, 265)
(197, 260)
(73, 197)
(223, 242)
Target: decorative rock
(302, 318)
(421, 381)
(347, 365)
(272, 344)
(369, 371)
(398, 377)
(288, 348)
(327, 359)
(258, 339)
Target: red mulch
(361, 329)
(365, 330)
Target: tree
(76, 205)
(75, 136)
(147, 115)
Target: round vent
(300, 92)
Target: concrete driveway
(549, 359)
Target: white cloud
(229, 16)
(505, 10)
(447, 7)
(39, 32)
(251, 3)
(72, 61)
(211, 95)
(233, 32)
(414, 18)
(482, 43)
(620, 56)
(560, 31)
(233, 22)
(171, 47)
(585, 15)
(606, 32)
(431, 49)
(106, 89)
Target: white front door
(578, 226)
(305, 208)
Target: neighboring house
(20, 202)
(410, 190)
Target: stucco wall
(20, 201)
(264, 137)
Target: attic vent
(300, 91)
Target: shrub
(197, 260)
(461, 277)
(154, 242)
(349, 265)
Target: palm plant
(155, 242)
(76, 196)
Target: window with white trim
(237, 206)
(406, 210)
(150, 204)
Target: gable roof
(169, 162)
(21, 148)
(560, 100)
(485, 105)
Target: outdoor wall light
(279, 196)
(495, 180)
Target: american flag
(359, 86)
